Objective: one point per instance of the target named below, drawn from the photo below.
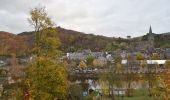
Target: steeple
(150, 29)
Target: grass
(129, 98)
(137, 95)
(139, 98)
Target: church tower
(150, 29)
(150, 35)
(151, 38)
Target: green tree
(47, 73)
(76, 91)
(89, 61)
(123, 45)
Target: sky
(112, 18)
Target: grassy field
(140, 98)
(132, 98)
(129, 98)
(137, 95)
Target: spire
(150, 29)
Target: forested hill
(76, 41)
(160, 40)
(13, 44)
(22, 43)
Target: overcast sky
(102, 17)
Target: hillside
(73, 41)
(77, 41)
(160, 40)
(11, 43)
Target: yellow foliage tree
(167, 80)
(46, 75)
(82, 65)
(99, 63)
(140, 56)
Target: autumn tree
(47, 74)
(99, 63)
(12, 44)
(129, 75)
(140, 56)
(167, 64)
(143, 64)
(155, 56)
(167, 80)
(15, 69)
(82, 65)
(111, 79)
(113, 76)
(152, 76)
(119, 77)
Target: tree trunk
(149, 89)
(128, 90)
(112, 93)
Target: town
(84, 50)
(141, 61)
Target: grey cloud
(103, 17)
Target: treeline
(13, 44)
(160, 40)
(73, 41)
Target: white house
(160, 62)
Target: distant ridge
(76, 41)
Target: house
(85, 53)
(76, 56)
(97, 54)
(160, 62)
(167, 53)
(135, 66)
